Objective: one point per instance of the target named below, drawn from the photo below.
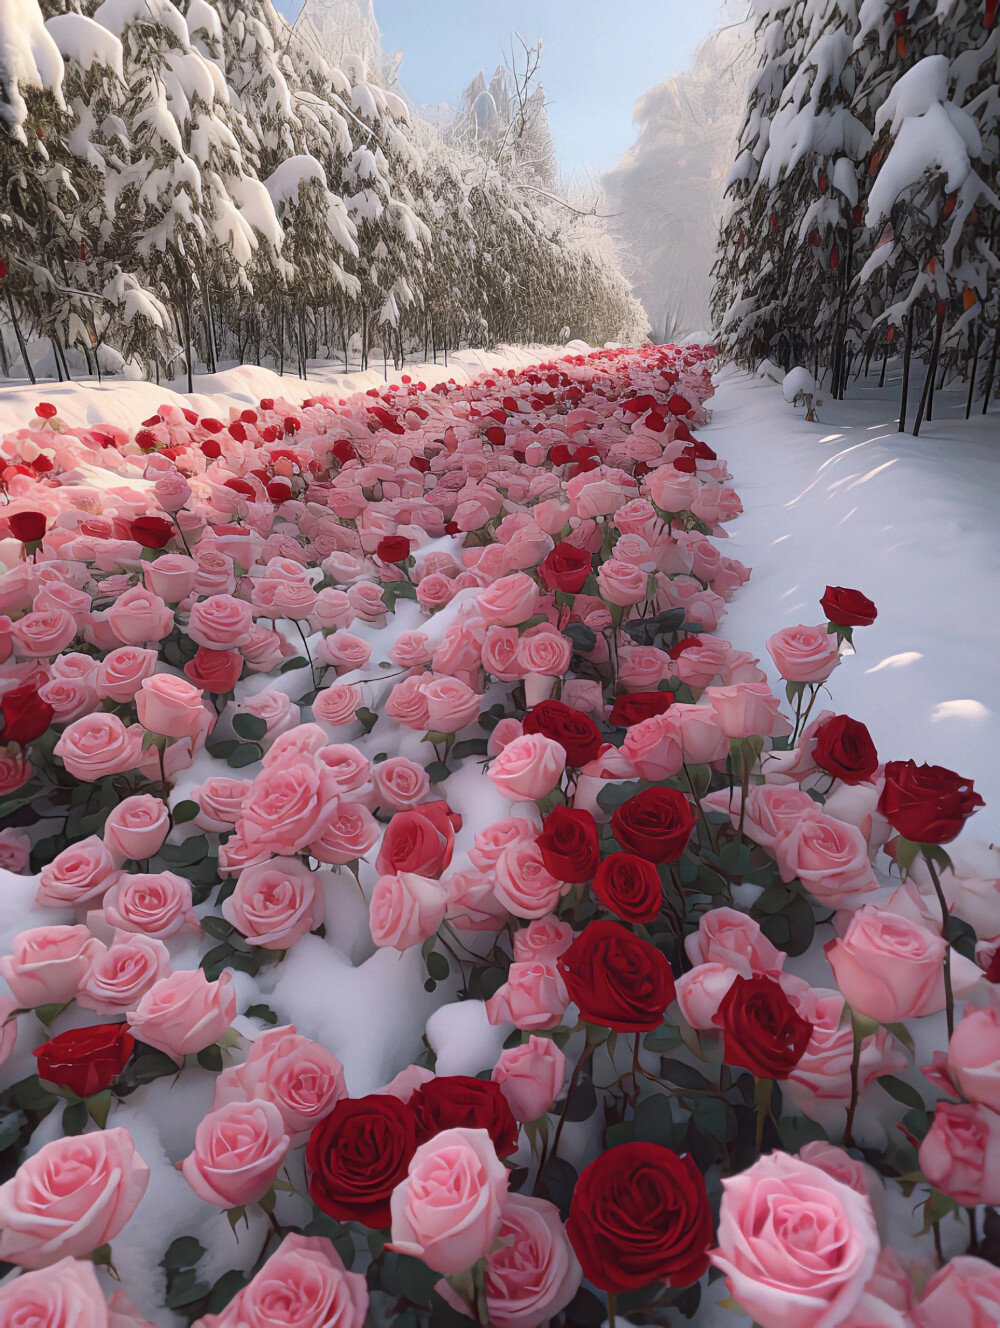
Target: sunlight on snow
(897, 661)
(964, 709)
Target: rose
(119, 674)
(491, 842)
(64, 1295)
(120, 976)
(534, 996)
(183, 1013)
(172, 576)
(348, 834)
(544, 651)
(81, 872)
(155, 903)
(405, 909)
(421, 840)
(960, 1153)
(926, 803)
(974, 1056)
(727, 936)
(965, 1293)
(848, 608)
(621, 584)
(172, 707)
(15, 852)
(653, 748)
(655, 824)
(152, 532)
(629, 886)
(843, 747)
(456, 1101)
(357, 1156)
(451, 704)
(302, 1285)
(617, 979)
(43, 634)
(238, 1151)
(98, 745)
(634, 707)
(796, 1246)
(85, 1060)
(285, 806)
(215, 671)
(47, 964)
(524, 885)
(400, 783)
(447, 1211)
(569, 845)
(543, 940)
(746, 709)
(393, 549)
(640, 1214)
(26, 716)
(531, 1076)
(301, 1078)
(509, 601)
(575, 732)
(28, 527)
(221, 622)
(762, 1031)
(138, 616)
(219, 800)
(804, 654)
(137, 827)
(828, 856)
(528, 768)
(70, 1198)
(565, 568)
(275, 903)
(888, 967)
(771, 809)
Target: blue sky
(598, 57)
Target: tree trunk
(4, 362)
(927, 396)
(281, 340)
(972, 376)
(907, 355)
(885, 361)
(991, 372)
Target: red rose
(685, 643)
(279, 490)
(617, 979)
(421, 840)
(152, 532)
(215, 671)
(634, 707)
(848, 608)
(686, 465)
(656, 824)
(25, 715)
(393, 549)
(457, 1101)
(28, 527)
(85, 1060)
(926, 803)
(569, 845)
(630, 887)
(843, 747)
(763, 1032)
(575, 732)
(639, 1214)
(357, 1156)
(45, 410)
(565, 568)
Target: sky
(598, 57)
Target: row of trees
(196, 182)
(862, 213)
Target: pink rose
(339, 704)
(275, 903)
(451, 704)
(221, 622)
(405, 909)
(447, 1211)
(509, 601)
(121, 975)
(137, 827)
(823, 1074)
(531, 1076)
(491, 842)
(299, 1077)
(726, 936)
(796, 1246)
(119, 674)
(238, 1151)
(43, 634)
(747, 709)
(700, 992)
(343, 651)
(965, 1293)
(523, 885)
(286, 806)
(67, 1294)
(99, 745)
(653, 747)
(804, 654)
(400, 783)
(545, 651)
(700, 733)
(154, 903)
(183, 1013)
(302, 1285)
(960, 1154)
(771, 810)
(528, 768)
(219, 800)
(974, 1056)
(348, 834)
(622, 584)
(533, 997)
(138, 616)
(345, 769)
(71, 1197)
(81, 872)
(173, 707)
(47, 964)
(276, 709)
(838, 1163)
(829, 857)
(69, 698)
(172, 576)
(542, 941)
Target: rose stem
(855, 1063)
(949, 995)
(936, 1230)
(612, 1307)
(973, 1234)
(585, 1055)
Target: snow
(463, 1039)
(29, 57)
(288, 178)
(87, 43)
(798, 383)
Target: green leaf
(437, 772)
(12, 1122)
(437, 966)
(74, 1118)
(225, 1289)
(662, 1039)
(295, 663)
(470, 747)
(247, 753)
(406, 1277)
(685, 1076)
(185, 1289)
(902, 1092)
(251, 727)
(613, 795)
(184, 1252)
(263, 1012)
(48, 1014)
(366, 718)
(210, 1058)
(185, 854)
(218, 928)
(185, 811)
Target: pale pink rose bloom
(183, 1013)
(490, 842)
(533, 997)
(71, 1197)
(960, 1153)
(506, 732)
(286, 805)
(338, 705)
(302, 740)
(622, 584)
(333, 609)
(700, 733)
(643, 668)
(118, 676)
(585, 695)
(544, 650)
(542, 941)
(238, 1151)
(887, 1300)
(472, 901)
(804, 654)
(276, 903)
(172, 576)
(748, 709)
(66, 1294)
(219, 800)
(974, 1056)
(829, 857)
(971, 885)
(15, 852)
(302, 1285)
(700, 992)
(276, 709)
(653, 747)
(154, 903)
(410, 649)
(345, 769)
(47, 964)
(528, 768)
(531, 1077)
(173, 707)
(672, 490)
(98, 745)
(447, 1211)
(400, 783)
(43, 634)
(965, 1293)
(838, 1163)
(221, 622)
(139, 616)
(406, 1083)
(348, 834)
(523, 884)
(771, 808)
(727, 936)
(796, 1246)
(80, 872)
(119, 977)
(299, 1077)
(407, 704)
(451, 704)
(823, 1074)
(137, 827)
(343, 651)
(509, 601)
(69, 698)
(857, 804)
(405, 909)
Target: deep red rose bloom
(28, 527)
(843, 747)
(45, 410)
(763, 1032)
(25, 715)
(639, 1214)
(152, 532)
(926, 803)
(634, 707)
(617, 979)
(420, 840)
(85, 1060)
(848, 608)
(575, 732)
(565, 568)
(357, 1156)
(685, 643)
(457, 1101)
(279, 490)
(686, 465)
(629, 886)
(215, 671)
(393, 549)
(569, 844)
(656, 824)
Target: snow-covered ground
(909, 521)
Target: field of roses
(435, 677)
